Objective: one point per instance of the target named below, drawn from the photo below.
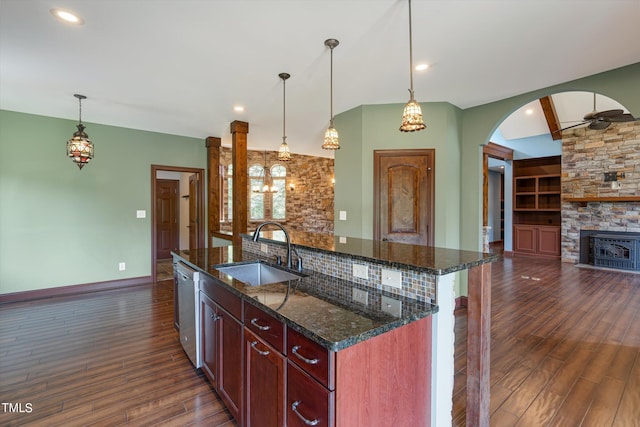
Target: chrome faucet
(256, 236)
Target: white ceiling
(179, 67)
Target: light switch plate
(264, 248)
(392, 278)
(343, 215)
(361, 271)
(141, 214)
(392, 306)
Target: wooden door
(167, 231)
(194, 208)
(404, 195)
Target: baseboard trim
(461, 302)
(73, 289)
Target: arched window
(256, 199)
(279, 199)
(229, 192)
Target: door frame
(200, 233)
(376, 187)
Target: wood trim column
(239, 131)
(478, 346)
(214, 189)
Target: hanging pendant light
(267, 181)
(283, 153)
(412, 115)
(331, 140)
(80, 147)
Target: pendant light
(267, 181)
(283, 153)
(331, 141)
(412, 115)
(80, 147)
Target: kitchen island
(326, 306)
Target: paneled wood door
(167, 217)
(404, 195)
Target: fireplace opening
(610, 249)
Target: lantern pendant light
(412, 115)
(80, 147)
(331, 140)
(267, 181)
(283, 153)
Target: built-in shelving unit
(537, 206)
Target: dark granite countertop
(429, 259)
(318, 306)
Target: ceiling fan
(600, 120)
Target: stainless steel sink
(258, 273)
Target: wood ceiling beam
(552, 118)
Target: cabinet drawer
(311, 357)
(265, 326)
(308, 402)
(224, 298)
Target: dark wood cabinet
(264, 384)
(308, 402)
(537, 206)
(222, 361)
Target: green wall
(375, 127)
(63, 226)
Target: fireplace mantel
(602, 199)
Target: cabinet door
(208, 335)
(524, 239)
(264, 383)
(308, 402)
(549, 241)
(229, 361)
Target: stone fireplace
(590, 204)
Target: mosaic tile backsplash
(417, 285)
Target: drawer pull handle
(254, 322)
(260, 352)
(294, 408)
(295, 349)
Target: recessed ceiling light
(422, 67)
(67, 16)
(529, 111)
(238, 108)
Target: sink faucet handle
(299, 263)
(278, 259)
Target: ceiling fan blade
(599, 125)
(607, 114)
(621, 118)
(572, 126)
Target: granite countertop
(429, 259)
(318, 306)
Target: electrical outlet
(342, 215)
(360, 296)
(392, 278)
(264, 248)
(391, 306)
(361, 271)
(122, 266)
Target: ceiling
(179, 67)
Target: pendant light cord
(410, 53)
(284, 109)
(331, 88)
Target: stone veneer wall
(310, 204)
(586, 156)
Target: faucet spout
(256, 237)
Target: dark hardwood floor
(565, 345)
(565, 352)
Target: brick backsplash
(586, 156)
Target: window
(229, 193)
(256, 200)
(278, 176)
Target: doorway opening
(177, 215)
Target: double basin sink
(258, 273)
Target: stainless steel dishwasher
(189, 311)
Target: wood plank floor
(565, 346)
(106, 359)
(565, 352)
